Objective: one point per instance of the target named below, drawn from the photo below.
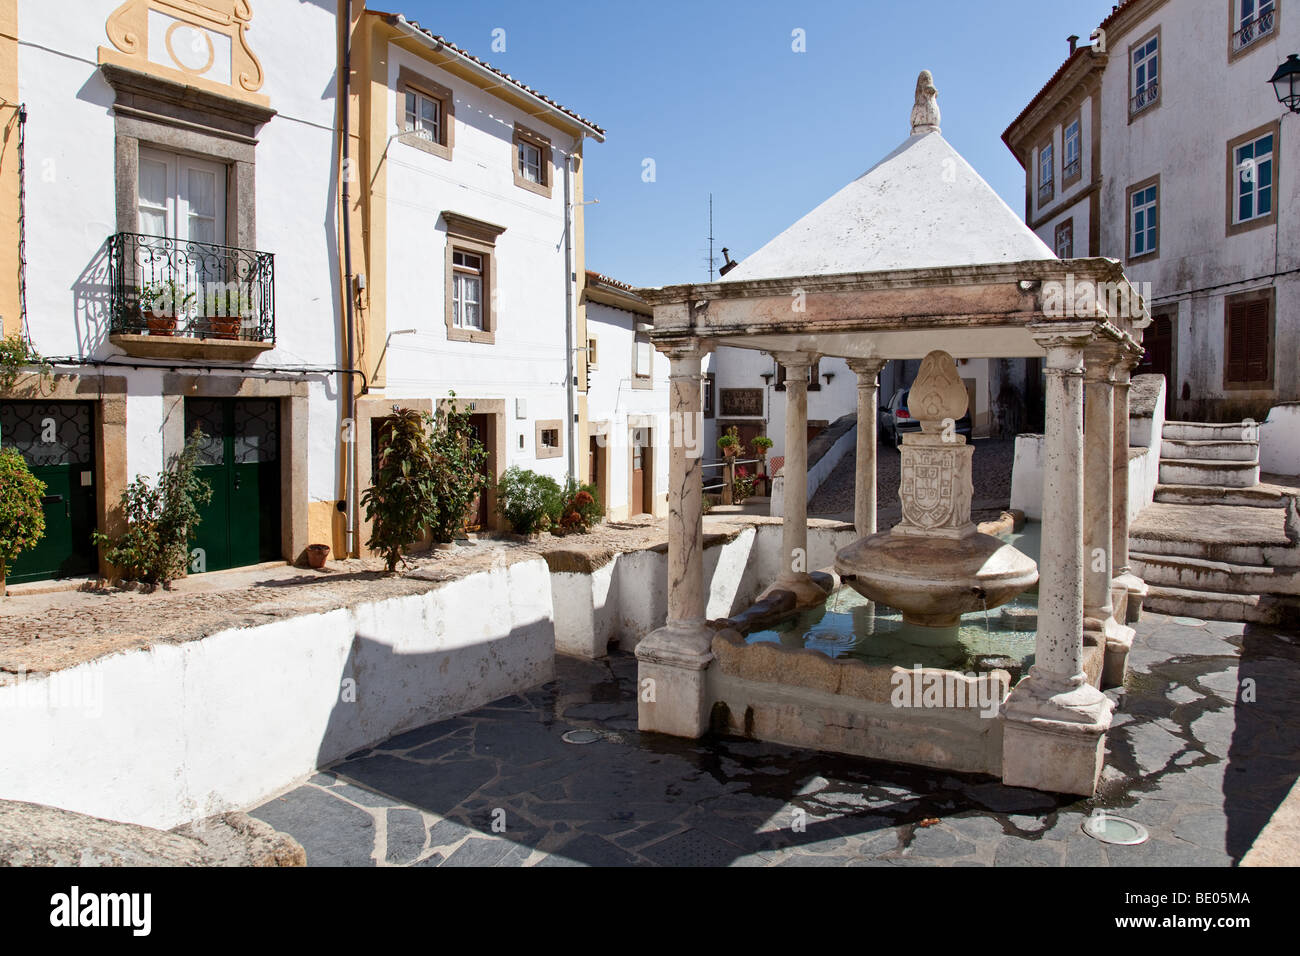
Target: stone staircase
(1216, 543)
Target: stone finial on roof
(925, 112)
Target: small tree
(160, 518)
(458, 461)
(402, 499)
(22, 517)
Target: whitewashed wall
(612, 400)
(527, 360)
(71, 203)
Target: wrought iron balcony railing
(1071, 169)
(198, 290)
(1260, 25)
(1046, 191)
(1144, 97)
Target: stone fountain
(935, 565)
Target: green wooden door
(57, 439)
(240, 459)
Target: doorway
(641, 492)
(57, 440)
(1158, 354)
(478, 509)
(240, 459)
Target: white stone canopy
(920, 255)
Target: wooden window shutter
(1248, 347)
(1256, 357)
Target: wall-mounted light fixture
(1286, 83)
(828, 376)
(766, 377)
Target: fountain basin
(934, 581)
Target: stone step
(1210, 450)
(1193, 471)
(1214, 606)
(1215, 532)
(1201, 431)
(1258, 496)
(1200, 574)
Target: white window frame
(1067, 141)
(1255, 16)
(1151, 215)
(1253, 181)
(1046, 171)
(176, 208)
(530, 162)
(1148, 63)
(463, 275)
(415, 121)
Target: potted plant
(730, 442)
(317, 555)
(761, 445)
(161, 302)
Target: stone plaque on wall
(741, 403)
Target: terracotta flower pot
(224, 328)
(160, 324)
(317, 555)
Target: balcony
(1256, 28)
(1071, 170)
(177, 298)
(1145, 97)
(1046, 191)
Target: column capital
(1101, 359)
(795, 359)
(867, 369)
(681, 350)
(1064, 343)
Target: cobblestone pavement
(1202, 769)
(991, 476)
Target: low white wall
(1027, 476)
(179, 732)
(1279, 440)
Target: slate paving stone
(413, 738)
(332, 832)
(323, 779)
(447, 833)
(480, 851)
(438, 789)
(691, 848)
(1014, 852)
(431, 860)
(364, 797)
(437, 749)
(588, 849)
(1002, 799)
(405, 836)
(938, 842)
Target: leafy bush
(22, 517)
(529, 501)
(581, 508)
(458, 461)
(16, 354)
(160, 518)
(729, 443)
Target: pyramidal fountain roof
(921, 207)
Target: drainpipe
(570, 373)
(349, 394)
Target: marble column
(672, 660)
(794, 576)
(1055, 721)
(1099, 624)
(1124, 576)
(864, 486)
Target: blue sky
(715, 95)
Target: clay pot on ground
(317, 555)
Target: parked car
(895, 420)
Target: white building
(1163, 145)
(627, 402)
(175, 142)
(467, 250)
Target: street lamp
(1286, 83)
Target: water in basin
(849, 625)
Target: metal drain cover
(1119, 831)
(581, 736)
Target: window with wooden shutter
(1248, 359)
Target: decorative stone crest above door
(201, 44)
